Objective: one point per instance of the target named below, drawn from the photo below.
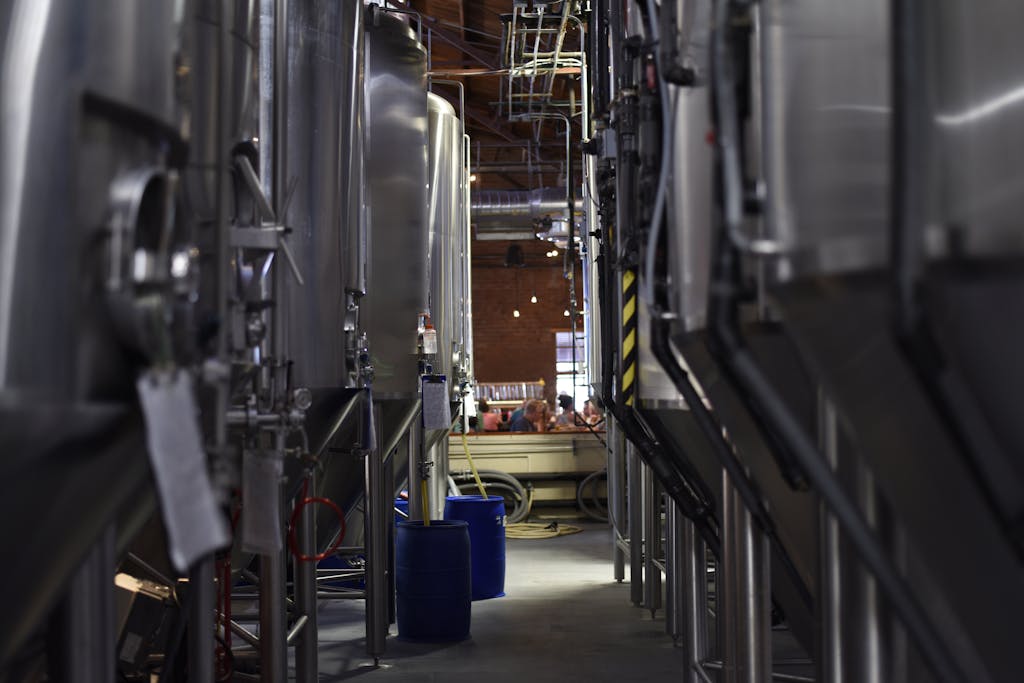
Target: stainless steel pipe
(651, 528)
(694, 578)
(377, 504)
(617, 497)
(675, 576)
(201, 621)
(306, 656)
(549, 201)
(636, 534)
(273, 618)
(744, 590)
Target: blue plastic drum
(486, 517)
(433, 581)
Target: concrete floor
(564, 618)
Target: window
(566, 372)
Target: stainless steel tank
(91, 129)
(462, 263)
(396, 202)
(689, 225)
(948, 486)
(978, 83)
(323, 169)
(448, 232)
(204, 99)
(689, 208)
(822, 116)
(88, 96)
(446, 218)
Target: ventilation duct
(519, 206)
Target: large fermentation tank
(923, 406)
(446, 220)
(323, 168)
(447, 175)
(205, 101)
(690, 221)
(822, 112)
(396, 202)
(90, 129)
(977, 81)
(689, 204)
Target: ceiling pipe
(532, 204)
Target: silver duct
(490, 205)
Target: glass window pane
(565, 354)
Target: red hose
(302, 502)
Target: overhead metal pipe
(547, 201)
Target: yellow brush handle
(426, 503)
(476, 475)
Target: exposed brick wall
(518, 349)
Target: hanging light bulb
(533, 299)
(515, 313)
(566, 313)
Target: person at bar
(491, 419)
(534, 418)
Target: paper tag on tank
(262, 472)
(437, 411)
(195, 525)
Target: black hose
(699, 511)
(594, 513)
(515, 513)
(598, 57)
(742, 370)
(502, 481)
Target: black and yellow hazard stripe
(628, 383)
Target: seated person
(568, 418)
(491, 420)
(534, 418)
(517, 413)
(592, 411)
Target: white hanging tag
(261, 502)
(195, 525)
(437, 412)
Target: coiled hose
(515, 526)
(596, 511)
(496, 482)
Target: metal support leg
(652, 541)
(694, 579)
(745, 590)
(675, 559)
(273, 608)
(377, 516)
(617, 497)
(414, 442)
(306, 656)
(202, 625)
(273, 618)
(82, 633)
(636, 534)
(387, 509)
(853, 617)
(438, 479)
